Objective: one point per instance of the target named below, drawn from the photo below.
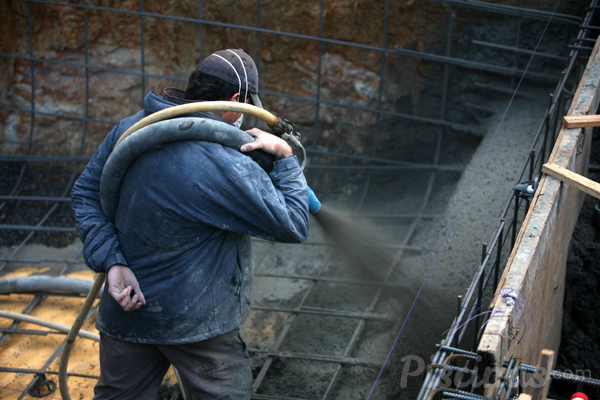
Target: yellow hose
(205, 106)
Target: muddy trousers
(217, 368)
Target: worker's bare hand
(121, 283)
(268, 143)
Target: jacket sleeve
(273, 207)
(99, 236)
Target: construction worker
(178, 256)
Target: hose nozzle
(314, 205)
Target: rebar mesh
(318, 339)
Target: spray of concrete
(366, 254)
(370, 257)
(415, 319)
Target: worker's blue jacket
(183, 225)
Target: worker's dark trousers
(217, 368)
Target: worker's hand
(268, 143)
(121, 283)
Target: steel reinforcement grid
(502, 239)
(470, 305)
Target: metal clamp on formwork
(527, 188)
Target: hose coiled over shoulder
(172, 130)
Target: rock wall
(173, 48)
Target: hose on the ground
(48, 324)
(41, 283)
(125, 152)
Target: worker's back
(185, 216)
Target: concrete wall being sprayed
(536, 268)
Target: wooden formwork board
(535, 272)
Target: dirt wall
(173, 48)
(108, 38)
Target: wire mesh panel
(392, 99)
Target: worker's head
(224, 74)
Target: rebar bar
(329, 313)
(573, 378)
(518, 50)
(433, 168)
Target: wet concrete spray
(404, 297)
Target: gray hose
(47, 324)
(158, 133)
(42, 283)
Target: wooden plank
(543, 370)
(580, 182)
(581, 121)
(536, 266)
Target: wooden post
(543, 369)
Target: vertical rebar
(381, 79)
(255, 120)
(498, 255)
(319, 65)
(483, 251)
(517, 41)
(459, 300)
(258, 38)
(505, 378)
(531, 168)
(531, 163)
(32, 66)
(514, 223)
(87, 80)
(544, 142)
(559, 111)
(478, 300)
(142, 50)
(554, 116)
(201, 30)
(446, 67)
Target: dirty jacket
(183, 225)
